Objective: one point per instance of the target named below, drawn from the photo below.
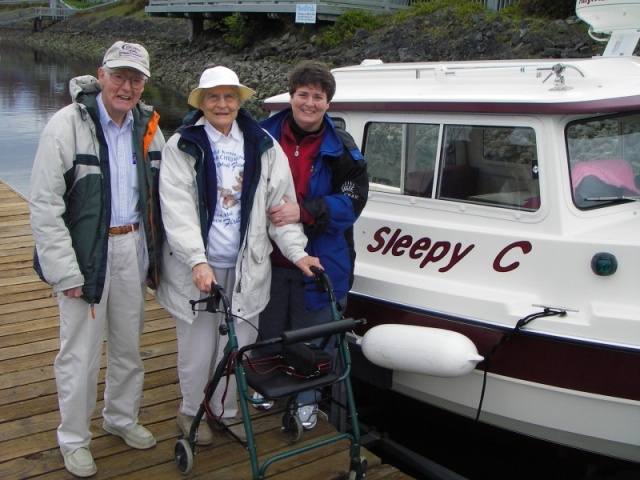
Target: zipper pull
(93, 312)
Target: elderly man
(94, 214)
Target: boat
(498, 256)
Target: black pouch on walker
(306, 360)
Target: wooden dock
(28, 402)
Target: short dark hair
(313, 73)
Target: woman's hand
(305, 264)
(285, 213)
(203, 277)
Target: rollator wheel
(292, 427)
(183, 456)
(358, 468)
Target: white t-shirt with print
(223, 241)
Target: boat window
(490, 165)
(420, 153)
(401, 156)
(383, 150)
(604, 160)
(487, 165)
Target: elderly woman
(220, 175)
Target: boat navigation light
(604, 264)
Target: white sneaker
(308, 415)
(265, 405)
(80, 462)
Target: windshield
(604, 158)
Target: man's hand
(203, 277)
(305, 263)
(75, 292)
(285, 213)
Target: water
(33, 86)
(473, 450)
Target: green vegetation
(547, 8)
(124, 8)
(235, 30)
(347, 25)
(462, 9)
(79, 4)
(135, 6)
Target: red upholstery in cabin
(617, 173)
(532, 203)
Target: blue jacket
(337, 195)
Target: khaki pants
(120, 314)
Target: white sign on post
(306, 13)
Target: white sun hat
(218, 77)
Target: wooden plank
(29, 323)
(158, 372)
(32, 305)
(9, 241)
(22, 280)
(24, 292)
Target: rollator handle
(317, 331)
(323, 282)
(211, 301)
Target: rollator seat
(279, 384)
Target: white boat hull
(596, 423)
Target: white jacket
(184, 246)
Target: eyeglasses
(216, 97)
(118, 78)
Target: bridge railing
(264, 5)
(267, 3)
(57, 13)
(25, 14)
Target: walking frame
(278, 383)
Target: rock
(265, 63)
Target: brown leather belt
(123, 229)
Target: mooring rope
(523, 322)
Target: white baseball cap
(218, 77)
(127, 55)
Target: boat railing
(442, 71)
